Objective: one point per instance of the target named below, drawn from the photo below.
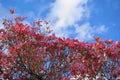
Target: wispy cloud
(86, 31)
(67, 13)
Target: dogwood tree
(32, 52)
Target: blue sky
(79, 19)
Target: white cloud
(101, 29)
(67, 13)
(86, 31)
